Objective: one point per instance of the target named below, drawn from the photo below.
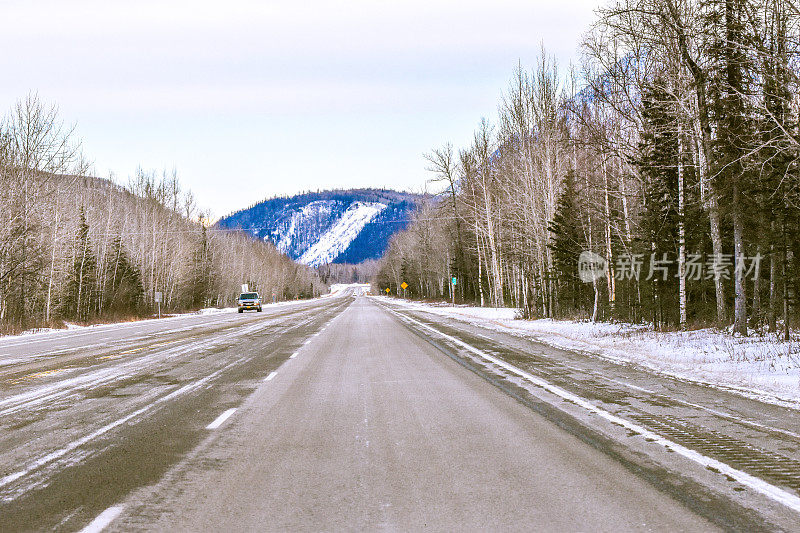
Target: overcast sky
(253, 99)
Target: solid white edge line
(770, 491)
(103, 520)
(221, 419)
(689, 404)
(293, 355)
(271, 375)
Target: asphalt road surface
(348, 413)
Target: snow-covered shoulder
(761, 367)
(132, 323)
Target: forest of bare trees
(362, 272)
(671, 154)
(77, 248)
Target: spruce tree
(124, 289)
(80, 294)
(567, 243)
(732, 167)
(657, 162)
(201, 276)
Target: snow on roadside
(759, 367)
(68, 326)
(131, 323)
(336, 288)
(213, 311)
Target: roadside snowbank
(213, 311)
(68, 326)
(761, 367)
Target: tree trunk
(755, 315)
(480, 262)
(773, 293)
(740, 294)
(703, 124)
(612, 293)
(681, 232)
(52, 265)
(785, 274)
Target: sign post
(404, 286)
(453, 290)
(158, 297)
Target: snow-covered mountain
(337, 238)
(343, 226)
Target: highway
(353, 413)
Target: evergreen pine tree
(657, 161)
(201, 277)
(80, 294)
(729, 86)
(124, 289)
(567, 244)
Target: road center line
(271, 375)
(103, 520)
(221, 419)
(770, 491)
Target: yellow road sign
(388, 290)
(404, 285)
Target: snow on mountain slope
(339, 226)
(336, 240)
(287, 234)
(285, 238)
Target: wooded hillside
(672, 155)
(78, 248)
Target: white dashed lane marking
(103, 520)
(221, 419)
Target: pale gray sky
(250, 99)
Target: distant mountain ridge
(337, 226)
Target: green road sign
(455, 281)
